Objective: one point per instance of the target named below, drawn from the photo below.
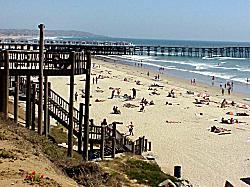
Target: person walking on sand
(133, 93)
(131, 128)
(93, 80)
(76, 95)
(96, 80)
(112, 93)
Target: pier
(129, 49)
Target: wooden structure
(43, 62)
(190, 51)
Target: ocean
(224, 69)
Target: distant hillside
(48, 33)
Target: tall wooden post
(102, 141)
(149, 146)
(113, 140)
(49, 95)
(16, 99)
(71, 106)
(41, 59)
(146, 145)
(86, 113)
(4, 87)
(33, 124)
(45, 106)
(133, 147)
(28, 102)
(80, 128)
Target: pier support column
(80, 128)
(28, 102)
(41, 59)
(133, 147)
(149, 146)
(45, 106)
(71, 106)
(4, 87)
(86, 112)
(16, 99)
(33, 123)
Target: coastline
(188, 143)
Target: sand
(206, 158)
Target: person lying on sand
(99, 100)
(142, 109)
(218, 129)
(167, 121)
(238, 113)
(223, 103)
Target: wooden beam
(45, 106)
(16, 99)
(80, 128)
(33, 123)
(28, 102)
(71, 106)
(86, 113)
(41, 59)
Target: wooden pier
(189, 51)
(43, 61)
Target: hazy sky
(162, 19)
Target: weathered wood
(4, 87)
(41, 59)
(133, 147)
(71, 107)
(149, 146)
(102, 142)
(86, 113)
(49, 88)
(16, 99)
(113, 140)
(28, 102)
(80, 128)
(146, 145)
(45, 106)
(33, 123)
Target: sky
(223, 20)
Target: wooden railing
(29, 60)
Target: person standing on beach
(76, 95)
(194, 81)
(96, 80)
(131, 128)
(112, 93)
(148, 73)
(133, 93)
(222, 91)
(93, 80)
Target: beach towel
(246, 99)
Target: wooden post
(41, 59)
(133, 147)
(45, 106)
(28, 102)
(143, 142)
(113, 140)
(80, 128)
(71, 106)
(149, 146)
(33, 124)
(49, 95)
(4, 87)
(146, 145)
(86, 113)
(16, 99)
(102, 141)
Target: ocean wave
(242, 80)
(222, 58)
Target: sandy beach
(180, 130)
